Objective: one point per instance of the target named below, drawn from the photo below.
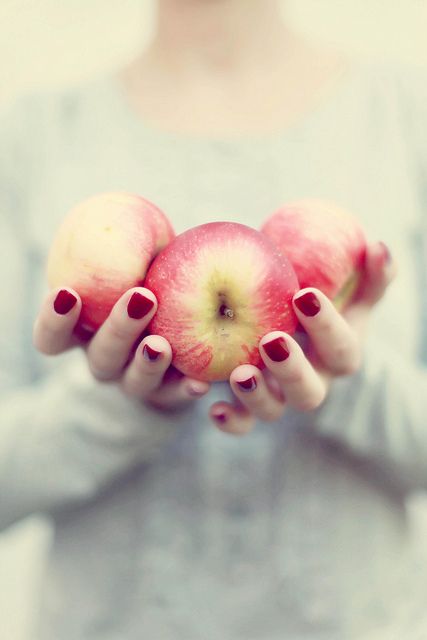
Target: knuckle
(265, 408)
(100, 373)
(119, 329)
(347, 357)
(158, 402)
(325, 325)
(350, 367)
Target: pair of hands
(293, 377)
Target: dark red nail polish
(150, 354)
(308, 304)
(64, 302)
(139, 306)
(247, 385)
(220, 417)
(276, 349)
(386, 255)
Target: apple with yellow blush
(103, 247)
(220, 288)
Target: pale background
(56, 42)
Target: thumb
(380, 270)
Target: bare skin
(228, 68)
(219, 69)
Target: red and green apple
(104, 247)
(220, 287)
(325, 244)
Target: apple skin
(220, 287)
(325, 244)
(104, 247)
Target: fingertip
(228, 420)
(63, 301)
(56, 320)
(243, 372)
(308, 302)
(221, 420)
(154, 350)
(197, 388)
(385, 253)
(159, 343)
(148, 293)
(274, 347)
(140, 303)
(378, 256)
(149, 353)
(381, 270)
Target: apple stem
(226, 311)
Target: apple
(104, 247)
(220, 287)
(325, 244)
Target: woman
(165, 528)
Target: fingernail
(64, 302)
(220, 417)
(150, 354)
(386, 255)
(139, 306)
(195, 389)
(308, 304)
(247, 385)
(276, 349)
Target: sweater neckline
(140, 126)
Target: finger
(333, 340)
(303, 387)
(249, 386)
(178, 393)
(147, 368)
(235, 420)
(380, 271)
(54, 325)
(109, 349)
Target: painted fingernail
(150, 354)
(386, 255)
(64, 302)
(221, 418)
(276, 349)
(308, 304)
(139, 306)
(247, 385)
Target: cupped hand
(300, 377)
(115, 352)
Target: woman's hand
(114, 353)
(300, 378)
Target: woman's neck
(215, 37)
(220, 66)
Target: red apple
(325, 244)
(220, 287)
(104, 247)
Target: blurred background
(46, 43)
